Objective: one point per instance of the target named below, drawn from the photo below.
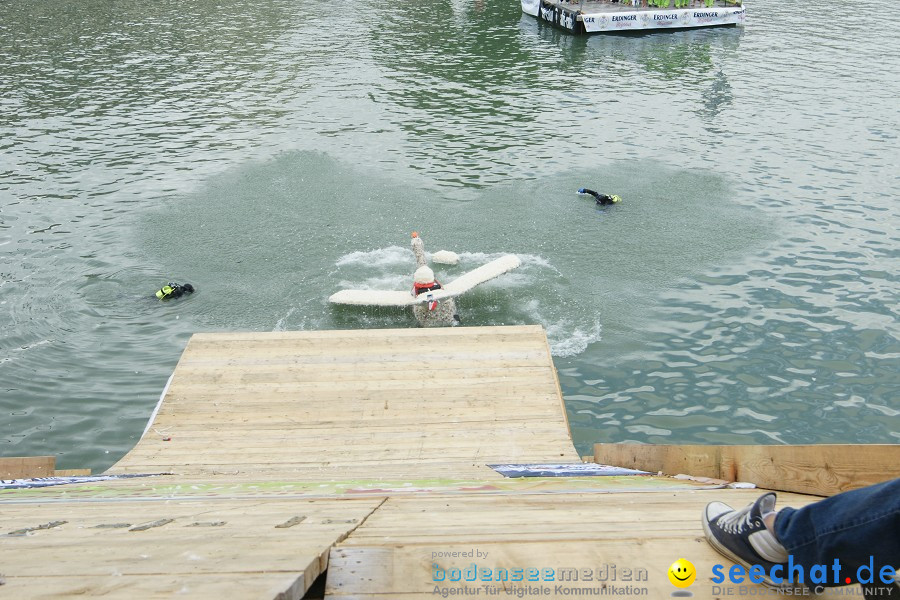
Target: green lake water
(272, 152)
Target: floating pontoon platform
(359, 458)
(596, 16)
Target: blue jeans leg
(858, 527)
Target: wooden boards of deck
(391, 404)
(380, 547)
(614, 536)
(821, 469)
(121, 548)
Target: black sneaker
(741, 535)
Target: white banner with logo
(660, 19)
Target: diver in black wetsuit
(174, 290)
(602, 199)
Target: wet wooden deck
(360, 452)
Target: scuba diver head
(174, 290)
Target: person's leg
(860, 528)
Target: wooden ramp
(393, 404)
(363, 453)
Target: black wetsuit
(602, 199)
(176, 290)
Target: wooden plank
(376, 436)
(376, 333)
(530, 514)
(433, 465)
(71, 472)
(508, 398)
(821, 469)
(562, 403)
(436, 361)
(487, 333)
(282, 383)
(26, 467)
(521, 353)
(93, 548)
(281, 432)
(369, 349)
(284, 586)
(393, 554)
(374, 421)
(315, 373)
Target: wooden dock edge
(559, 392)
(821, 469)
(27, 467)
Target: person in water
(602, 199)
(174, 290)
(433, 313)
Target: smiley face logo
(682, 573)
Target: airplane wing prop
(458, 286)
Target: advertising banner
(661, 19)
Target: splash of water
(571, 322)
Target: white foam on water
(380, 257)
(565, 335)
(568, 339)
(537, 293)
(280, 324)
